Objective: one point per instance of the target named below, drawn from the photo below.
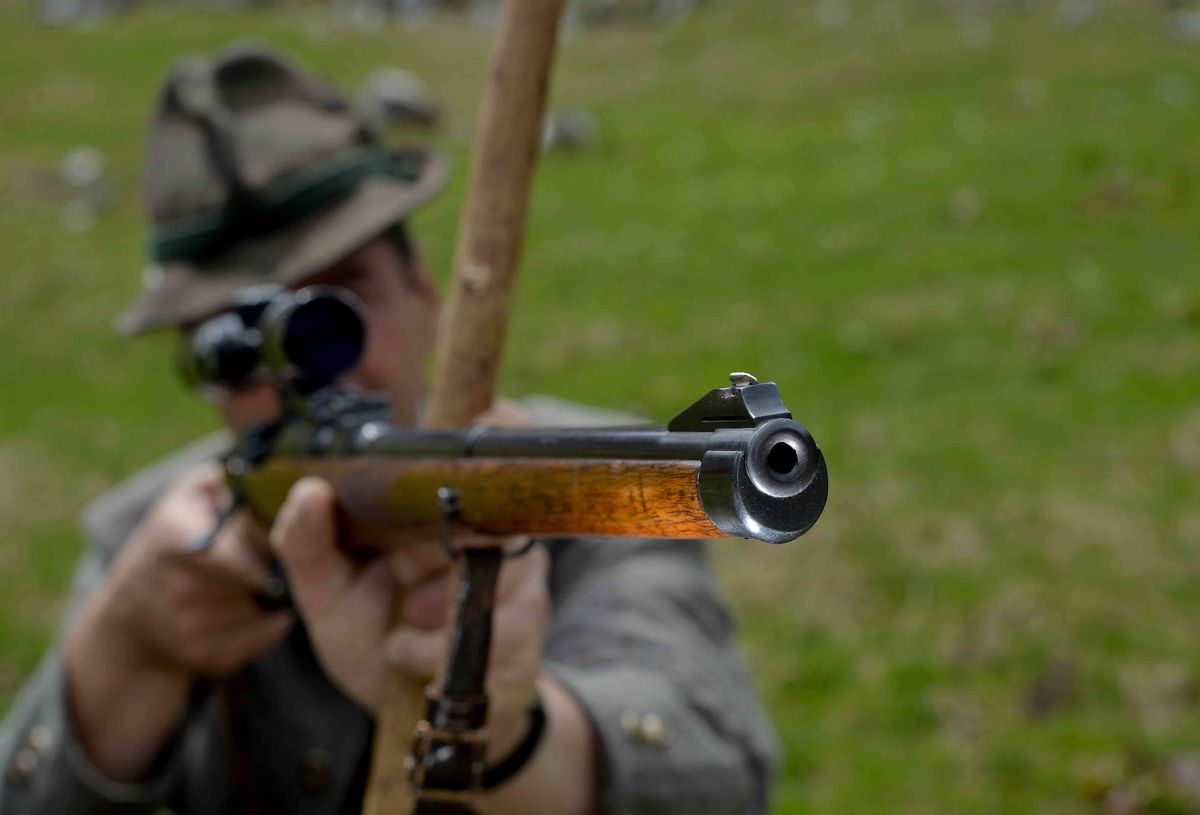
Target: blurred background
(963, 237)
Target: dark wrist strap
(511, 764)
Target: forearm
(47, 770)
(124, 709)
(560, 778)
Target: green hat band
(279, 205)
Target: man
(171, 686)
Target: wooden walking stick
(474, 317)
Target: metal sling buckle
(450, 742)
(432, 747)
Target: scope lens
(322, 337)
(222, 351)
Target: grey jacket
(637, 633)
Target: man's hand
(347, 609)
(165, 616)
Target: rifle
(732, 464)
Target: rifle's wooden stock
(502, 496)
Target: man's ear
(425, 288)
(421, 287)
(420, 280)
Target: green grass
(972, 268)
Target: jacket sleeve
(641, 638)
(44, 768)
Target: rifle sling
(450, 743)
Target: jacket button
(316, 771)
(648, 729)
(40, 738)
(654, 730)
(24, 764)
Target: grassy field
(966, 251)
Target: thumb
(304, 538)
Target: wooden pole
(475, 314)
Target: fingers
(232, 557)
(252, 534)
(215, 617)
(504, 413)
(419, 654)
(524, 570)
(305, 540)
(200, 494)
(418, 558)
(248, 641)
(426, 585)
(417, 554)
(345, 604)
(204, 481)
(522, 608)
(185, 610)
(425, 605)
(191, 512)
(228, 567)
(523, 601)
(245, 641)
(185, 514)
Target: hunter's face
(401, 311)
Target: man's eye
(356, 281)
(350, 277)
(363, 289)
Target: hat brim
(183, 292)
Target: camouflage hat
(259, 172)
